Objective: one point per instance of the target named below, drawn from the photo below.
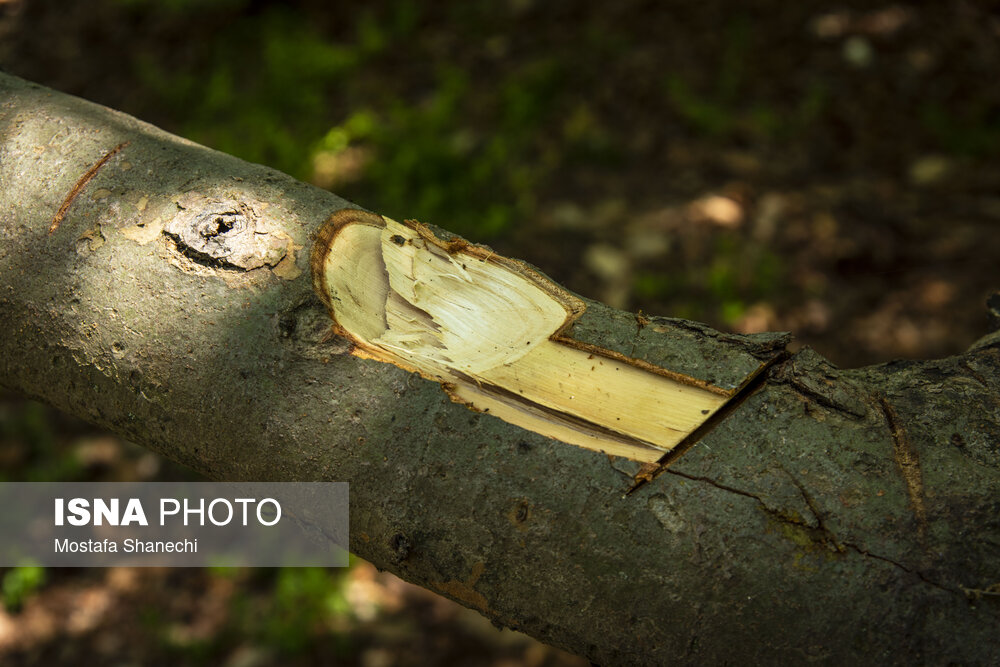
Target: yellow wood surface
(484, 326)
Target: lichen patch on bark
(143, 232)
(288, 268)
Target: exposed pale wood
(487, 328)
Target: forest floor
(809, 167)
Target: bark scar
(493, 332)
(228, 231)
(906, 457)
(465, 590)
(81, 184)
(814, 509)
(839, 547)
(647, 474)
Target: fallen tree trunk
(163, 290)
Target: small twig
(80, 184)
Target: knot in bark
(226, 232)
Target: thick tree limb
(826, 515)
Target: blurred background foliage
(832, 169)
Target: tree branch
(822, 514)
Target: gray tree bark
(161, 290)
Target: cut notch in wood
(490, 330)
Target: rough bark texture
(832, 515)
